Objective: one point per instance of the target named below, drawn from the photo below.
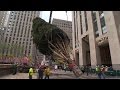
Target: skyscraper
(64, 25)
(18, 31)
(3, 17)
(96, 38)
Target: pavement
(59, 74)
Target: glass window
(81, 23)
(100, 12)
(102, 20)
(9, 39)
(95, 26)
(86, 23)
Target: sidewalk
(59, 74)
(84, 76)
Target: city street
(54, 75)
(60, 74)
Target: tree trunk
(76, 70)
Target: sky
(56, 14)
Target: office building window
(95, 26)
(81, 23)
(102, 21)
(14, 17)
(9, 39)
(86, 23)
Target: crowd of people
(100, 70)
(41, 72)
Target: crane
(51, 16)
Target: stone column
(73, 33)
(83, 21)
(80, 42)
(94, 52)
(112, 19)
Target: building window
(102, 21)
(81, 23)
(86, 23)
(95, 26)
(29, 51)
(9, 39)
(18, 34)
(14, 17)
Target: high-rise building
(96, 38)
(64, 25)
(18, 30)
(36, 55)
(2, 32)
(3, 16)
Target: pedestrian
(65, 67)
(14, 69)
(56, 67)
(87, 70)
(98, 71)
(102, 72)
(106, 68)
(110, 68)
(47, 72)
(40, 73)
(83, 69)
(37, 72)
(90, 70)
(30, 73)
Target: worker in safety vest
(30, 73)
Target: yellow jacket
(47, 71)
(31, 71)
